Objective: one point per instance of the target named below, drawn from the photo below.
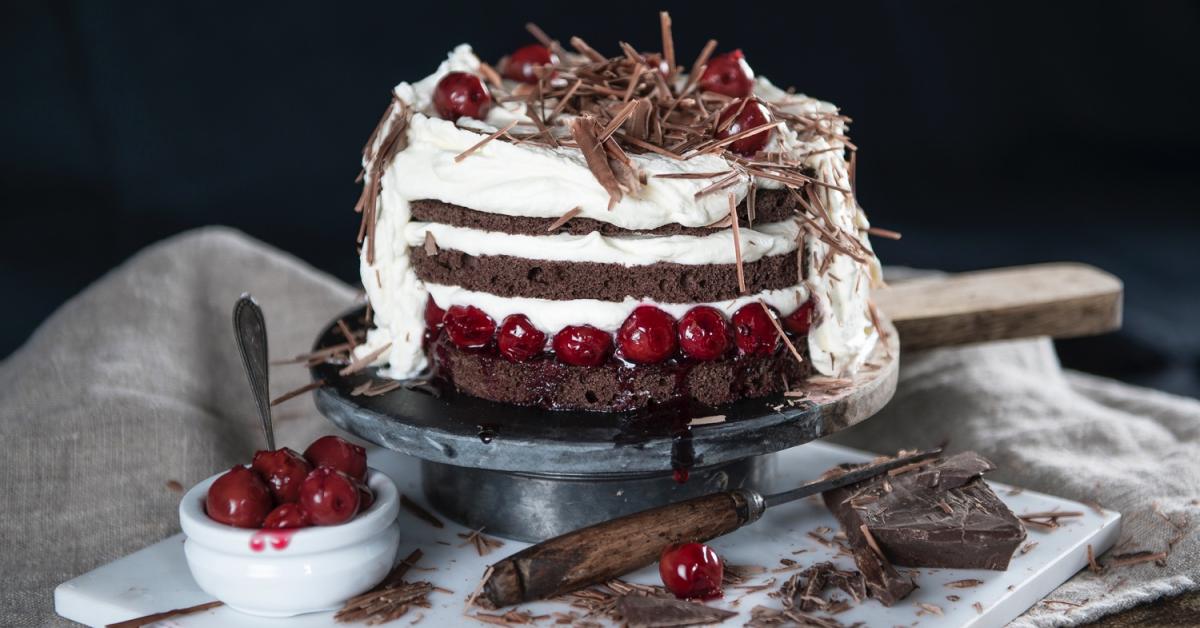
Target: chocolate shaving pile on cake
(580, 230)
(934, 513)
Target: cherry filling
(523, 63)
(519, 340)
(648, 336)
(743, 115)
(469, 327)
(703, 333)
(460, 94)
(582, 345)
(728, 74)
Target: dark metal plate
(457, 429)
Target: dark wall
(991, 133)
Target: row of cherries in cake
(461, 94)
(648, 336)
(283, 489)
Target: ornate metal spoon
(250, 330)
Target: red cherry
(703, 333)
(469, 327)
(460, 94)
(523, 63)
(752, 115)
(647, 336)
(433, 315)
(283, 470)
(691, 570)
(337, 453)
(329, 496)
(582, 345)
(288, 516)
(799, 321)
(238, 498)
(519, 340)
(366, 496)
(728, 74)
(753, 331)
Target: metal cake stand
(531, 474)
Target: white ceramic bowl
(280, 573)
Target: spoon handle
(250, 330)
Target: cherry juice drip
(278, 539)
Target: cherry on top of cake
(633, 103)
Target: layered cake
(574, 231)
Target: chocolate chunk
(661, 612)
(937, 513)
(883, 582)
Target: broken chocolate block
(935, 513)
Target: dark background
(991, 134)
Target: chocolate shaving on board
(484, 545)
(158, 617)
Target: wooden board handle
(613, 548)
(1060, 300)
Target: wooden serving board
(1060, 300)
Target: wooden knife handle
(613, 548)
(1060, 300)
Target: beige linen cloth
(136, 382)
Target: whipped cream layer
(634, 250)
(544, 182)
(551, 316)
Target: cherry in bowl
(238, 498)
(339, 454)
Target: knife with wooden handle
(606, 550)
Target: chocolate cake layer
(509, 276)
(614, 386)
(769, 206)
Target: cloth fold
(136, 382)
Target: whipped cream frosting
(763, 240)
(539, 181)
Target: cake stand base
(517, 505)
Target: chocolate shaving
(157, 617)
(431, 247)
(884, 233)
(779, 330)
(737, 245)
(583, 129)
(174, 486)
(483, 142)
(483, 544)
(661, 612)
(1135, 558)
(562, 220)
(707, 420)
(390, 599)
(417, 511)
(966, 583)
(359, 364)
(978, 607)
(313, 385)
